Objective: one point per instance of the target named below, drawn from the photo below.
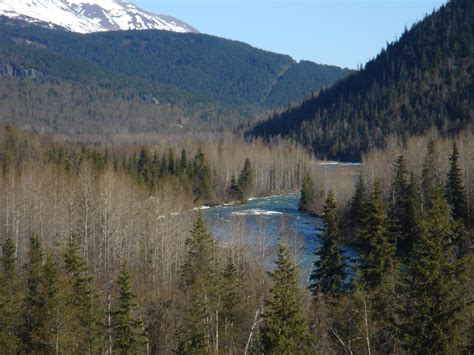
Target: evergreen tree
(126, 329)
(358, 209)
(83, 302)
(40, 313)
(9, 300)
(232, 301)
(202, 181)
(145, 169)
(235, 192)
(412, 213)
(329, 273)
(455, 191)
(378, 251)
(308, 193)
(431, 290)
(285, 329)
(199, 274)
(246, 180)
(399, 212)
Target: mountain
(160, 79)
(420, 82)
(88, 16)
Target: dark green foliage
(200, 262)
(242, 188)
(40, 313)
(421, 81)
(83, 302)
(401, 211)
(308, 193)
(378, 250)
(201, 178)
(9, 300)
(200, 276)
(234, 191)
(455, 191)
(127, 331)
(285, 329)
(146, 169)
(329, 273)
(232, 297)
(432, 295)
(358, 209)
(246, 180)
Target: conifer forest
(156, 197)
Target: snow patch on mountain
(87, 16)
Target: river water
(264, 219)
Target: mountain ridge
(89, 16)
(203, 79)
(422, 81)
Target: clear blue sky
(339, 32)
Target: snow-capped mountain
(87, 16)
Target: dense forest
(421, 81)
(103, 251)
(170, 80)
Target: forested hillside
(178, 80)
(421, 81)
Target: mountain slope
(209, 78)
(87, 16)
(421, 81)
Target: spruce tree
(82, 300)
(9, 300)
(232, 298)
(378, 251)
(455, 191)
(234, 191)
(307, 194)
(41, 314)
(200, 277)
(433, 298)
(412, 215)
(329, 273)
(358, 209)
(246, 180)
(400, 208)
(378, 272)
(127, 331)
(285, 328)
(202, 178)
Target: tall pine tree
(127, 332)
(285, 328)
(246, 180)
(200, 277)
(433, 298)
(88, 330)
(329, 273)
(455, 191)
(308, 193)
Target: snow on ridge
(87, 16)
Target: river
(264, 219)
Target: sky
(346, 33)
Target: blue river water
(268, 218)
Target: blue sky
(339, 32)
